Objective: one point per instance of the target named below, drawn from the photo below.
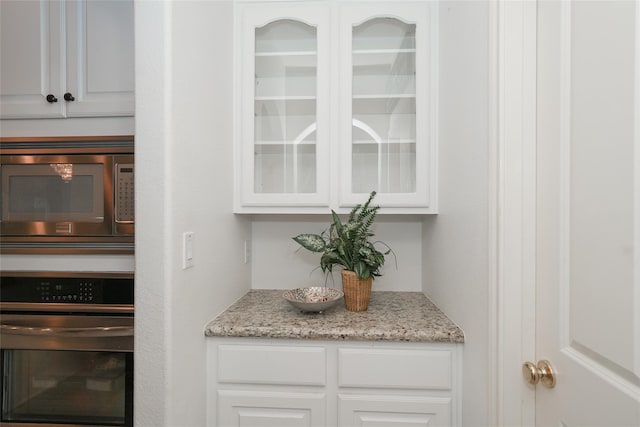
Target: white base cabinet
(264, 382)
(273, 409)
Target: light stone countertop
(391, 316)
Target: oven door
(66, 370)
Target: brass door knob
(542, 372)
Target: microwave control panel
(124, 203)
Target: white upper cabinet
(336, 99)
(387, 102)
(71, 58)
(284, 107)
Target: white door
(588, 212)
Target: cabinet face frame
(334, 22)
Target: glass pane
(285, 168)
(285, 108)
(286, 75)
(285, 35)
(384, 107)
(58, 191)
(66, 386)
(50, 194)
(388, 168)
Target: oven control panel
(85, 291)
(74, 290)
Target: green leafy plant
(349, 244)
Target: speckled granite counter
(391, 316)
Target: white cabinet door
(393, 410)
(32, 58)
(387, 103)
(69, 58)
(270, 409)
(100, 58)
(284, 129)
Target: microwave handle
(107, 331)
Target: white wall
(184, 141)
(279, 262)
(183, 172)
(455, 242)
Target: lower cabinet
(389, 410)
(264, 382)
(274, 409)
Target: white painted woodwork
(304, 119)
(409, 369)
(268, 382)
(53, 47)
(409, 118)
(32, 61)
(513, 170)
(588, 213)
(100, 58)
(283, 106)
(392, 410)
(270, 409)
(278, 365)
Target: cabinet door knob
(51, 98)
(68, 97)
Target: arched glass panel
(384, 106)
(285, 107)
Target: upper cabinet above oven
(66, 58)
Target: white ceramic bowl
(314, 299)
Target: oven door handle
(98, 331)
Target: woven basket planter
(357, 292)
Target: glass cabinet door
(388, 125)
(384, 107)
(285, 108)
(285, 150)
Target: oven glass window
(67, 387)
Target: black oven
(66, 349)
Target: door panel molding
(578, 295)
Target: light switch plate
(187, 249)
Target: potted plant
(349, 246)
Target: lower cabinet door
(393, 410)
(270, 409)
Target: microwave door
(56, 196)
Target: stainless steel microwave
(67, 194)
